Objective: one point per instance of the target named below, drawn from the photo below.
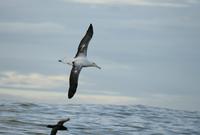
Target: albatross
(79, 61)
(58, 126)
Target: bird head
(62, 128)
(95, 65)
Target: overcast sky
(149, 50)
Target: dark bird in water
(58, 126)
(79, 61)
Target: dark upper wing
(73, 80)
(61, 122)
(54, 131)
(83, 45)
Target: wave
(32, 118)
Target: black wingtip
(71, 93)
(90, 28)
(69, 97)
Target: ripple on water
(31, 118)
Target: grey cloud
(30, 28)
(11, 79)
(143, 50)
(154, 3)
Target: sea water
(18, 118)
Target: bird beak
(98, 67)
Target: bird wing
(73, 80)
(61, 122)
(54, 131)
(83, 45)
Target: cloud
(100, 92)
(30, 28)
(106, 99)
(13, 79)
(157, 3)
(55, 97)
(60, 97)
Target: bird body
(79, 61)
(83, 62)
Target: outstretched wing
(61, 122)
(73, 80)
(82, 49)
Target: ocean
(20, 118)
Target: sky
(149, 51)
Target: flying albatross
(79, 61)
(58, 126)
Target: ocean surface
(31, 119)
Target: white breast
(82, 61)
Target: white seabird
(79, 61)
